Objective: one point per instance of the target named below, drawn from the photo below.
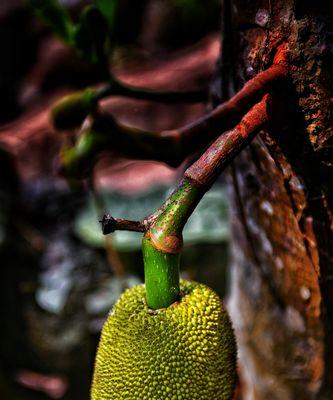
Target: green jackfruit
(184, 352)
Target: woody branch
(173, 146)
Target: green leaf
(108, 8)
(55, 16)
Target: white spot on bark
(279, 263)
(262, 17)
(294, 320)
(267, 207)
(295, 183)
(249, 70)
(305, 293)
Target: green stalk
(162, 245)
(161, 276)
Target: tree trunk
(281, 190)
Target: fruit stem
(161, 275)
(162, 243)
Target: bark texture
(281, 189)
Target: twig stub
(110, 224)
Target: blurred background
(60, 276)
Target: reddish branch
(172, 146)
(219, 154)
(204, 171)
(227, 114)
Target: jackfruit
(184, 352)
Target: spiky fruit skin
(184, 352)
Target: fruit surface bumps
(184, 352)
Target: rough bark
(281, 189)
